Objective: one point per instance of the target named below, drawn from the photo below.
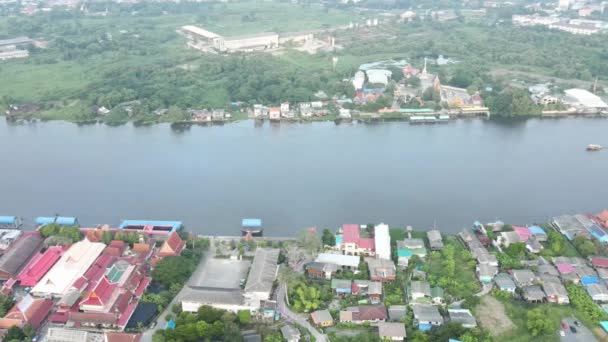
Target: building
(523, 277)
(599, 262)
(290, 334)
(20, 253)
(426, 316)
(351, 242)
(533, 294)
(110, 336)
(381, 269)
(597, 292)
(584, 99)
(408, 248)
(485, 273)
(72, 335)
(419, 290)
(159, 229)
(173, 246)
(72, 265)
(262, 275)
(364, 314)
(602, 218)
(463, 316)
(382, 242)
(397, 312)
(320, 270)
(39, 265)
(12, 53)
(391, 331)
(257, 41)
(570, 226)
(504, 283)
(555, 291)
(10, 222)
(341, 286)
(435, 240)
(348, 262)
(322, 318)
(437, 295)
(28, 310)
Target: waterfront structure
(72, 265)
(10, 222)
(152, 228)
(350, 242)
(262, 275)
(435, 240)
(382, 241)
(17, 257)
(58, 220)
(570, 226)
(252, 226)
(584, 99)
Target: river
(294, 176)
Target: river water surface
(300, 175)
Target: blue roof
(424, 327)
(598, 233)
(252, 223)
(537, 230)
(604, 325)
(8, 219)
(338, 239)
(170, 325)
(588, 280)
(404, 253)
(175, 225)
(60, 220)
(454, 340)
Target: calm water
(299, 175)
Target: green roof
(436, 292)
(114, 274)
(340, 284)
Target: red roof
(123, 300)
(98, 269)
(93, 317)
(118, 244)
(113, 251)
(603, 217)
(141, 247)
(366, 243)
(143, 285)
(122, 337)
(80, 283)
(172, 246)
(27, 311)
(59, 317)
(599, 262)
(350, 233)
(39, 266)
(100, 294)
(126, 315)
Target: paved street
(583, 334)
(291, 316)
(160, 321)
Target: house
(426, 316)
(463, 316)
(28, 310)
(533, 246)
(353, 244)
(602, 218)
(599, 262)
(538, 233)
(570, 226)
(533, 294)
(274, 113)
(18, 256)
(341, 286)
(364, 313)
(322, 318)
(437, 295)
(115, 248)
(344, 113)
(319, 270)
(523, 233)
(262, 274)
(408, 248)
(547, 269)
(382, 242)
(259, 111)
(173, 246)
(484, 257)
(374, 292)
(348, 262)
(504, 283)
(397, 312)
(290, 333)
(435, 240)
(381, 269)
(555, 291)
(112, 336)
(508, 238)
(391, 331)
(419, 289)
(39, 265)
(598, 292)
(284, 108)
(523, 277)
(73, 264)
(485, 273)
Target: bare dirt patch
(492, 316)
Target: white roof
(201, 32)
(72, 265)
(585, 98)
(338, 259)
(359, 79)
(382, 241)
(379, 76)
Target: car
(562, 333)
(576, 323)
(564, 326)
(573, 329)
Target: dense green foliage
(308, 298)
(328, 238)
(539, 323)
(511, 102)
(557, 244)
(452, 269)
(69, 232)
(6, 303)
(584, 246)
(583, 304)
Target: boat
(253, 227)
(594, 147)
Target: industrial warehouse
(207, 41)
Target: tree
(539, 323)
(308, 239)
(209, 314)
(274, 337)
(328, 238)
(397, 74)
(106, 237)
(584, 246)
(173, 269)
(49, 229)
(14, 333)
(306, 298)
(244, 316)
(431, 94)
(6, 303)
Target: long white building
(382, 241)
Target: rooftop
(338, 259)
(263, 271)
(388, 330)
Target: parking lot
(583, 334)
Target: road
(292, 317)
(583, 334)
(160, 321)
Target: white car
(562, 333)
